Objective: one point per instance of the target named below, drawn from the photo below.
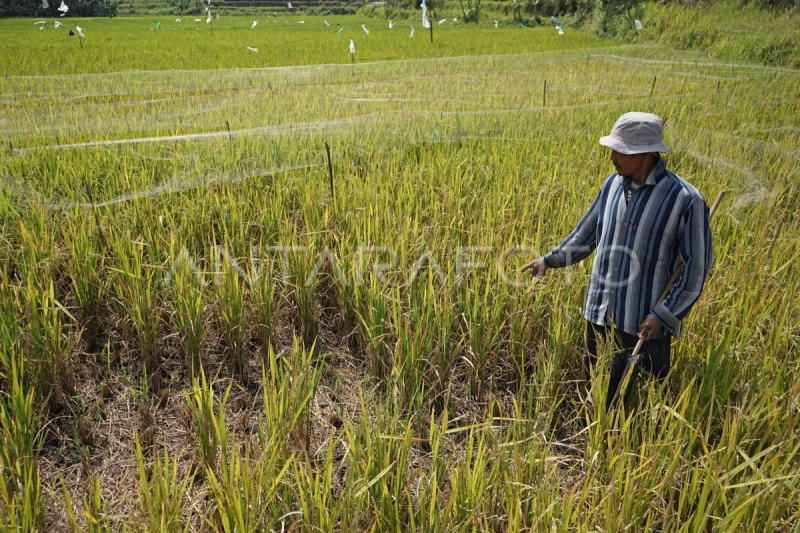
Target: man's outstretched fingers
(537, 268)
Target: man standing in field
(644, 221)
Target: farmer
(644, 220)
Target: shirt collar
(655, 175)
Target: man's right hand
(537, 268)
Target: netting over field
(286, 114)
(224, 238)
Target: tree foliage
(77, 8)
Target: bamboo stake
(775, 238)
(330, 168)
(544, 94)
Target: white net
(279, 118)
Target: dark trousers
(655, 352)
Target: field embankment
(724, 30)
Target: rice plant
(482, 317)
(38, 254)
(21, 506)
(188, 314)
(88, 282)
(428, 385)
(375, 328)
(95, 510)
(246, 491)
(266, 302)
(232, 316)
(161, 493)
(48, 349)
(134, 287)
(208, 428)
(288, 387)
(304, 278)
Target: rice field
(280, 290)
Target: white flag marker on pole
(40, 22)
(63, 7)
(495, 24)
(442, 21)
(425, 22)
(412, 31)
(255, 22)
(638, 24)
(177, 20)
(366, 31)
(58, 24)
(289, 4)
(390, 24)
(79, 31)
(326, 22)
(352, 47)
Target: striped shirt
(639, 245)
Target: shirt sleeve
(581, 242)
(696, 250)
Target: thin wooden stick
(716, 204)
(544, 94)
(775, 238)
(330, 168)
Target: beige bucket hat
(636, 133)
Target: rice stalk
(208, 421)
(188, 315)
(134, 287)
(232, 317)
(161, 494)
